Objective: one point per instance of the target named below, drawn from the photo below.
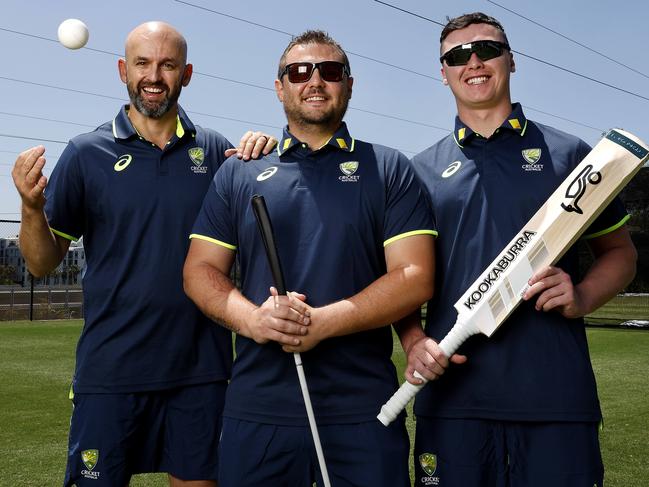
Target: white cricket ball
(73, 34)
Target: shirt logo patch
(452, 168)
(123, 162)
(532, 157)
(348, 169)
(90, 459)
(428, 463)
(197, 156)
(267, 173)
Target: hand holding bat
(553, 229)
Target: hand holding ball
(73, 34)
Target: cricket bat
(582, 196)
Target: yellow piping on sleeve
(607, 230)
(64, 235)
(409, 234)
(213, 240)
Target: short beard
(331, 118)
(155, 112)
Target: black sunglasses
(485, 50)
(302, 72)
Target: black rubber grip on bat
(266, 230)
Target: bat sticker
(578, 187)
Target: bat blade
(553, 229)
(573, 206)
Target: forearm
(409, 330)
(217, 297)
(385, 301)
(610, 274)
(41, 249)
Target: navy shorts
(113, 436)
(362, 454)
(484, 453)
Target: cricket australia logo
(348, 169)
(452, 168)
(532, 157)
(90, 459)
(123, 162)
(197, 156)
(428, 463)
(578, 186)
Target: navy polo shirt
(134, 205)
(333, 212)
(536, 366)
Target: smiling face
(155, 68)
(479, 84)
(314, 104)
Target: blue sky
(398, 98)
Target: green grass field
(36, 362)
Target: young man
(151, 370)
(356, 237)
(523, 410)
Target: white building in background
(69, 272)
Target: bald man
(151, 370)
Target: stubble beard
(296, 116)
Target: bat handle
(391, 409)
(461, 330)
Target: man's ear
(279, 90)
(121, 67)
(187, 74)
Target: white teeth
(315, 98)
(477, 80)
(150, 89)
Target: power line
(273, 29)
(220, 116)
(527, 107)
(581, 75)
(43, 38)
(243, 83)
(32, 138)
(45, 119)
(530, 57)
(61, 88)
(18, 152)
(569, 39)
(410, 13)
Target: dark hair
(312, 37)
(466, 20)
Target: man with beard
(151, 370)
(355, 236)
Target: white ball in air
(73, 34)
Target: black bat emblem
(577, 187)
